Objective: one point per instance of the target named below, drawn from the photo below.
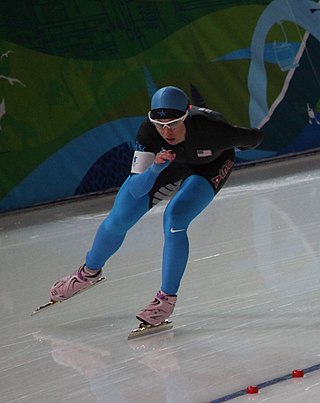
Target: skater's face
(173, 131)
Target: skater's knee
(116, 224)
(175, 220)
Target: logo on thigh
(223, 172)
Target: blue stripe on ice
(265, 384)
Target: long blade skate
(144, 329)
(51, 303)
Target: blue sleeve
(141, 184)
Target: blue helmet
(169, 102)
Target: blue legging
(193, 196)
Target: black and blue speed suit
(203, 163)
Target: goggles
(171, 124)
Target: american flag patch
(204, 153)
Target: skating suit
(202, 165)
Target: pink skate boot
(158, 310)
(72, 284)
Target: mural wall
(76, 79)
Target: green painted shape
(65, 97)
(101, 30)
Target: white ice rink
(248, 311)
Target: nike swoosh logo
(172, 230)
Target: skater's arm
(242, 138)
(247, 138)
(141, 183)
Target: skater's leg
(196, 192)
(125, 213)
(193, 197)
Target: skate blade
(146, 330)
(51, 303)
(43, 307)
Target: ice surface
(247, 312)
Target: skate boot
(158, 310)
(72, 284)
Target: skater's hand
(162, 160)
(163, 156)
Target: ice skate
(69, 286)
(154, 317)
(145, 330)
